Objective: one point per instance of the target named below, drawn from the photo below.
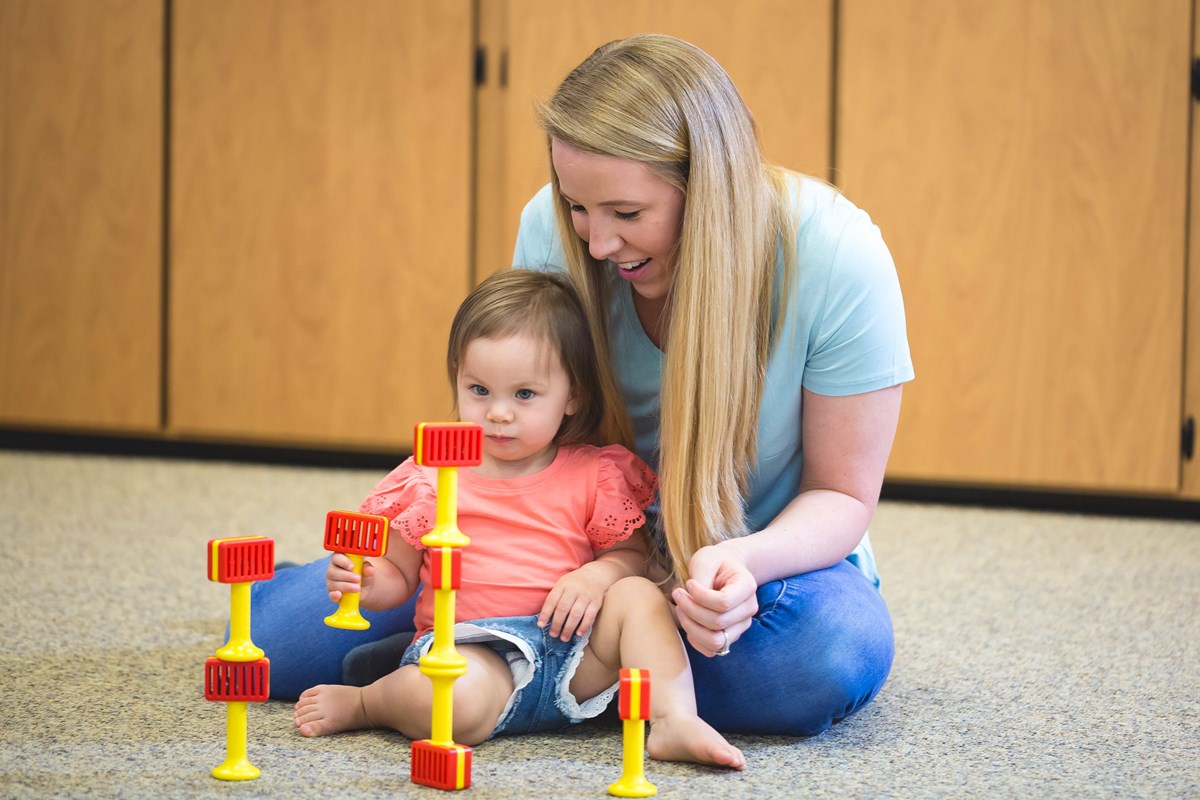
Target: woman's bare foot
(687, 738)
(327, 709)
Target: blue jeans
(819, 648)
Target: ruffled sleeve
(406, 498)
(625, 486)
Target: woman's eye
(576, 209)
(627, 215)
(477, 390)
(524, 394)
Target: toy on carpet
(634, 706)
(438, 761)
(238, 674)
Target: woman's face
(628, 215)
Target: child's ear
(572, 406)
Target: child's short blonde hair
(543, 306)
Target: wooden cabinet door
(319, 220)
(1191, 405)
(1027, 163)
(778, 53)
(81, 132)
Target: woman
(755, 328)
(756, 331)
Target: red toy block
(237, 681)
(442, 766)
(241, 560)
(448, 444)
(356, 534)
(446, 568)
(634, 700)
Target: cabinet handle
(1188, 438)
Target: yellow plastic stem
(239, 647)
(347, 616)
(633, 781)
(445, 532)
(236, 766)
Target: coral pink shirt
(525, 532)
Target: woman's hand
(718, 600)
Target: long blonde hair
(668, 105)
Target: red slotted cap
(356, 534)
(448, 444)
(241, 559)
(237, 681)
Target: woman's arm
(847, 441)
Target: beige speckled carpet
(1039, 655)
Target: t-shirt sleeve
(538, 246)
(406, 498)
(860, 343)
(625, 486)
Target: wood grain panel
(1027, 164)
(320, 222)
(1191, 402)
(81, 131)
(777, 52)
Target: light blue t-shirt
(844, 334)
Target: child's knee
(634, 593)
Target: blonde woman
(756, 332)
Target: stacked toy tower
(238, 674)
(438, 761)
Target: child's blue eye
(524, 394)
(478, 390)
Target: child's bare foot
(327, 709)
(688, 738)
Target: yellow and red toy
(238, 674)
(438, 761)
(236, 683)
(356, 535)
(239, 562)
(634, 706)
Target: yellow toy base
(347, 622)
(240, 652)
(637, 786)
(236, 770)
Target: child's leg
(635, 628)
(403, 700)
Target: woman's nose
(603, 242)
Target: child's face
(628, 215)
(518, 391)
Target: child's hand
(341, 578)
(573, 603)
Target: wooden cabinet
(320, 206)
(1191, 398)
(81, 176)
(1027, 162)
(778, 52)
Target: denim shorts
(541, 699)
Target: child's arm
(573, 603)
(385, 583)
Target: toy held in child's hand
(239, 562)
(236, 683)
(438, 761)
(356, 535)
(634, 706)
